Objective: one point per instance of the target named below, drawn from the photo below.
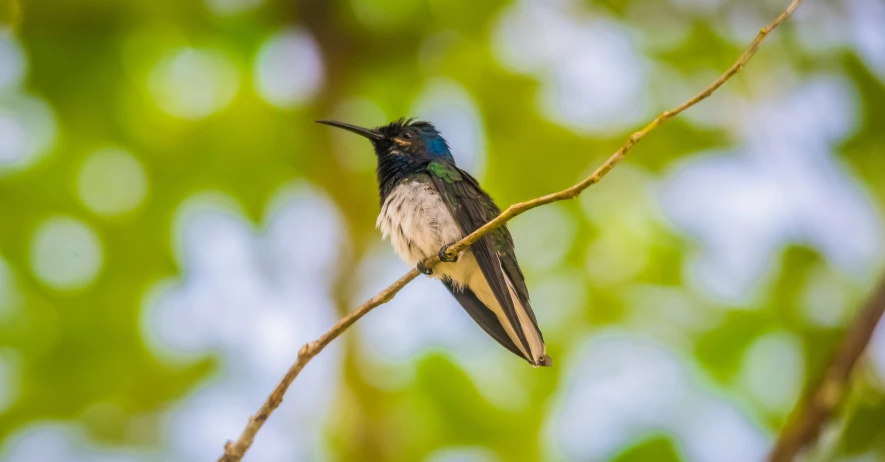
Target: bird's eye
(408, 135)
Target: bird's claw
(424, 269)
(442, 257)
(445, 257)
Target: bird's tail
(537, 354)
(491, 318)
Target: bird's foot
(443, 256)
(424, 269)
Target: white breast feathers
(417, 221)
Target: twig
(234, 451)
(822, 399)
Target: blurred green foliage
(92, 62)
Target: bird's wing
(503, 244)
(507, 256)
(483, 316)
(468, 204)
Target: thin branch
(823, 398)
(234, 451)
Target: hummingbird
(428, 204)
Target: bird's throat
(393, 168)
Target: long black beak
(367, 132)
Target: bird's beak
(366, 132)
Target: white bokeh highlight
(251, 298)
(867, 34)
(593, 77)
(773, 370)
(827, 300)
(192, 83)
(620, 388)
(451, 109)
(13, 62)
(27, 131)
(289, 68)
(828, 29)
(63, 442)
(112, 182)
(65, 254)
(783, 185)
(544, 238)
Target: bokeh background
(173, 226)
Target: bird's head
(407, 140)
